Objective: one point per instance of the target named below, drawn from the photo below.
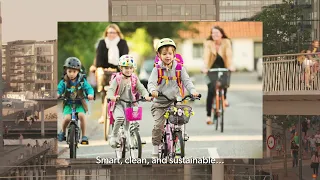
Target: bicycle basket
(179, 115)
(224, 78)
(133, 113)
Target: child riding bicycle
(126, 89)
(74, 85)
(166, 50)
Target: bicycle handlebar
(188, 96)
(76, 99)
(218, 70)
(130, 102)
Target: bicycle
(175, 116)
(130, 128)
(221, 78)
(103, 77)
(73, 128)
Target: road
(242, 137)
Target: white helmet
(127, 60)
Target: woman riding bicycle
(109, 49)
(166, 50)
(127, 89)
(217, 54)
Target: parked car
(145, 71)
(259, 69)
(6, 102)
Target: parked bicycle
(73, 128)
(128, 136)
(221, 78)
(172, 143)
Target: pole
(1, 88)
(300, 151)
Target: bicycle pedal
(143, 142)
(84, 143)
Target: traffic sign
(271, 142)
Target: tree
(285, 122)
(283, 30)
(79, 38)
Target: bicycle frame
(169, 129)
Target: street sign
(271, 142)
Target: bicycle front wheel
(135, 144)
(222, 105)
(178, 144)
(73, 141)
(121, 151)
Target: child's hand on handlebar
(195, 94)
(148, 98)
(90, 97)
(114, 98)
(155, 94)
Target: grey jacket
(171, 90)
(113, 86)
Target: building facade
(30, 65)
(205, 10)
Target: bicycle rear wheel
(178, 145)
(73, 141)
(135, 144)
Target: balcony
(291, 84)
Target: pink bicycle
(172, 143)
(128, 136)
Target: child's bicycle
(221, 77)
(128, 138)
(172, 143)
(73, 128)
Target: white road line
(210, 138)
(234, 87)
(213, 153)
(143, 152)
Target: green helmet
(127, 60)
(165, 42)
(73, 63)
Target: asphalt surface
(242, 137)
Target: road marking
(213, 153)
(234, 87)
(210, 138)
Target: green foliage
(285, 121)
(79, 38)
(282, 31)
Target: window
(176, 10)
(210, 9)
(132, 10)
(195, 9)
(159, 10)
(152, 10)
(116, 11)
(166, 10)
(197, 50)
(188, 10)
(124, 10)
(203, 9)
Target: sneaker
(113, 142)
(101, 120)
(209, 121)
(186, 137)
(84, 140)
(61, 136)
(155, 151)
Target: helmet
(72, 62)
(127, 60)
(165, 42)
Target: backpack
(134, 92)
(179, 66)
